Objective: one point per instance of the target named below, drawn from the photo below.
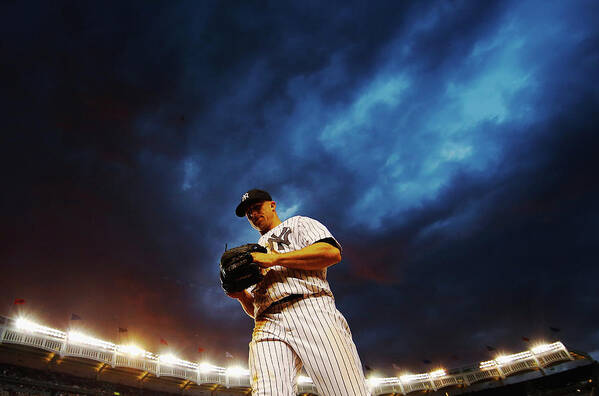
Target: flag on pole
(122, 330)
(490, 348)
(200, 349)
(75, 317)
(555, 329)
(19, 301)
(228, 355)
(426, 361)
(526, 339)
(163, 341)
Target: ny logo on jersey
(245, 196)
(280, 240)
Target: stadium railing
(72, 344)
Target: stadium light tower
(25, 325)
(237, 372)
(169, 358)
(206, 367)
(80, 338)
(131, 350)
(28, 326)
(373, 381)
(438, 373)
(538, 349)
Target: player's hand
(265, 260)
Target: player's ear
(273, 205)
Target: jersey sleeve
(313, 231)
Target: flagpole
(9, 314)
(9, 310)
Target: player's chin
(263, 228)
(259, 224)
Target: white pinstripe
(307, 330)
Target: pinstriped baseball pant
(311, 332)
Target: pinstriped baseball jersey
(304, 330)
(279, 282)
(308, 332)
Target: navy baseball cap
(249, 198)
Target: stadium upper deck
(203, 376)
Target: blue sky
(449, 146)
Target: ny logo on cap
(245, 196)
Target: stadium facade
(30, 345)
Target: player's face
(261, 215)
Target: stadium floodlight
(407, 378)
(151, 356)
(76, 337)
(542, 348)
(169, 359)
(206, 367)
(28, 326)
(504, 359)
(131, 350)
(237, 372)
(437, 373)
(487, 364)
(302, 379)
(373, 381)
(172, 360)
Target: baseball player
(296, 321)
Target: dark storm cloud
(448, 146)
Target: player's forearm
(314, 257)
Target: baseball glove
(237, 268)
